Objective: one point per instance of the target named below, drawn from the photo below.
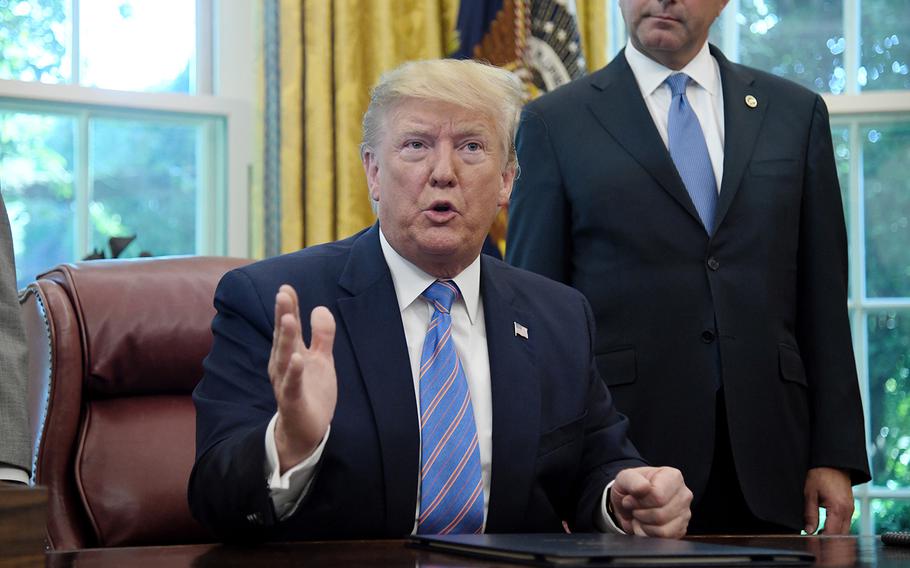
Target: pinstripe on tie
(690, 152)
(451, 490)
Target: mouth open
(440, 211)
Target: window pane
(885, 50)
(36, 158)
(144, 184)
(886, 153)
(889, 397)
(891, 515)
(33, 40)
(802, 40)
(138, 45)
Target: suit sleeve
(539, 230)
(14, 436)
(823, 328)
(608, 449)
(234, 401)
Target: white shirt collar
(651, 74)
(410, 281)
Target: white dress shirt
(703, 91)
(470, 336)
(13, 474)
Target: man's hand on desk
(651, 501)
(303, 379)
(829, 488)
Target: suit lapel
(741, 126)
(373, 322)
(621, 110)
(516, 399)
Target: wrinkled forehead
(437, 117)
(412, 114)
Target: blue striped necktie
(451, 490)
(690, 152)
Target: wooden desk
(23, 516)
(829, 551)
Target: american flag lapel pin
(520, 330)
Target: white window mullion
(857, 223)
(866, 526)
(730, 42)
(73, 48)
(202, 68)
(857, 274)
(83, 188)
(616, 32)
(203, 206)
(210, 198)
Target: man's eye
(473, 147)
(415, 145)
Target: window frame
(223, 77)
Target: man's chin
(451, 251)
(441, 248)
(659, 39)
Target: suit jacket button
(713, 264)
(707, 336)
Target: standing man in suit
(434, 389)
(695, 203)
(14, 439)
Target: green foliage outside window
(33, 40)
(143, 172)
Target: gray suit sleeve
(14, 439)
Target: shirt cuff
(13, 474)
(289, 489)
(604, 520)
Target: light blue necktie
(690, 152)
(451, 489)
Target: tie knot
(678, 83)
(441, 294)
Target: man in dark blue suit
(695, 203)
(434, 389)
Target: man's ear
(508, 180)
(371, 168)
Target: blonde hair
(492, 91)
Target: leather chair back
(115, 350)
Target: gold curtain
(592, 27)
(331, 53)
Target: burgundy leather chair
(115, 350)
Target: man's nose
(443, 172)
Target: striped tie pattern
(451, 490)
(690, 152)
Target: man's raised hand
(303, 378)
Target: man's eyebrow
(412, 128)
(478, 130)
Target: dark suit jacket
(760, 306)
(557, 440)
